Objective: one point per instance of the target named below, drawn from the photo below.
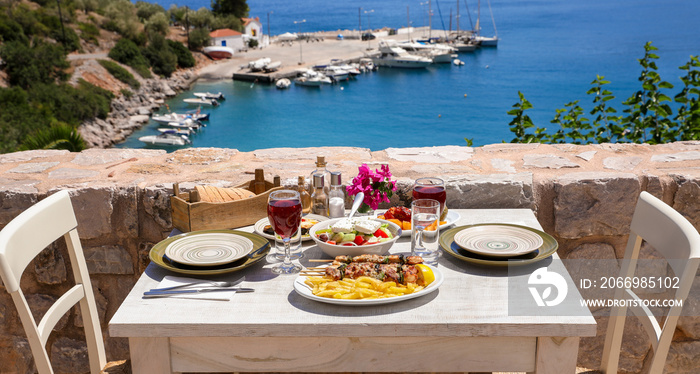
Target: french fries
(360, 288)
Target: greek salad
(355, 232)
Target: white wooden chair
(679, 243)
(20, 241)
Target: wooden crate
(202, 215)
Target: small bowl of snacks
(355, 236)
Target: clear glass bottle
(320, 169)
(336, 196)
(304, 195)
(319, 199)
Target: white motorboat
(259, 64)
(336, 73)
(439, 53)
(186, 132)
(188, 125)
(397, 57)
(218, 52)
(201, 101)
(283, 83)
(273, 66)
(458, 62)
(179, 118)
(210, 95)
(312, 78)
(366, 64)
(165, 138)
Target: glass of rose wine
(430, 188)
(284, 213)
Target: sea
(550, 50)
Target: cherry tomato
(359, 240)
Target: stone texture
(50, 267)
(547, 162)
(503, 165)
(689, 322)
(24, 186)
(589, 204)
(33, 167)
(13, 203)
(510, 147)
(688, 195)
(70, 355)
(72, 173)
(621, 163)
(588, 155)
(673, 157)
(490, 191)
(591, 261)
(201, 156)
(683, 358)
(433, 155)
(102, 303)
(93, 208)
(108, 259)
(31, 155)
(94, 156)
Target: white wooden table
(462, 327)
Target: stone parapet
(582, 195)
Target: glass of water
(425, 235)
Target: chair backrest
(23, 239)
(679, 243)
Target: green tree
(163, 60)
(184, 56)
(120, 73)
(158, 23)
(30, 65)
(202, 18)
(238, 8)
(58, 136)
(689, 99)
(145, 10)
(121, 18)
(227, 22)
(18, 118)
(199, 38)
(128, 53)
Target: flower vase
(364, 211)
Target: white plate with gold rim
(498, 240)
(209, 249)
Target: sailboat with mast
(485, 41)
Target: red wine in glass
(284, 216)
(284, 213)
(430, 188)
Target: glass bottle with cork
(304, 195)
(336, 196)
(320, 169)
(319, 199)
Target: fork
(212, 283)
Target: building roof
(246, 21)
(223, 33)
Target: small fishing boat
(189, 124)
(218, 52)
(209, 95)
(165, 139)
(180, 118)
(186, 132)
(283, 83)
(201, 101)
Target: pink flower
(376, 185)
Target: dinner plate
(302, 289)
(260, 226)
(209, 249)
(261, 247)
(548, 247)
(498, 240)
(451, 218)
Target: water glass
(425, 235)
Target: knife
(180, 292)
(203, 282)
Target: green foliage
(177, 14)
(72, 105)
(238, 8)
(202, 18)
(227, 22)
(18, 118)
(10, 30)
(184, 56)
(121, 18)
(252, 43)
(158, 23)
(145, 10)
(128, 53)
(163, 60)
(649, 117)
(199, 38)
(30, 65)
(58, 136)
(120, 73)
(126, 93)
(89, 32)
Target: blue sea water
(550, 50)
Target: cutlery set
(214, 287)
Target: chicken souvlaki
(397, 268)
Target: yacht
(165, 138)
(335, 73)
(180, 118)
(439, 53)
(209, 95)
(312, 78)
(397, 57)
(201, 101)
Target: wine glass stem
(287, 252)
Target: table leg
(150, 355)
(556, 355)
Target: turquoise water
(550, 50)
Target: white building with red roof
(253, 29)
(227, 38)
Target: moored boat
(201, 101)
(210, 95)
(273, 66)
(283, 83)
(396, 57)
(165, 139)
(312, 78)
(180, 118)
(218, 52)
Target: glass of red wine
(284, 213)
(430, 188)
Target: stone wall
(582, 195)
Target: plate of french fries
(363, 290)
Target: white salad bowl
(334, 250)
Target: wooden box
(188, 216)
